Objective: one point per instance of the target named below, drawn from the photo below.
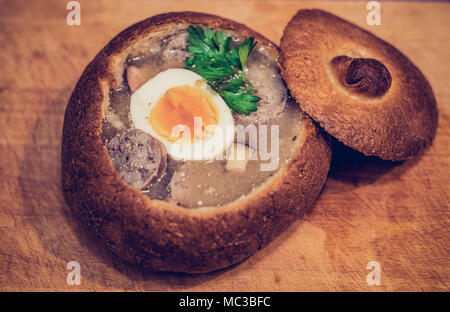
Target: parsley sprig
(222, 65)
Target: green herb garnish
(222, 65)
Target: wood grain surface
(369, 210)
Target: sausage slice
(173, 50)
(264, 74)
(138, 157)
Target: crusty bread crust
(393, 126)
(157, 235)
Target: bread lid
(359, 88)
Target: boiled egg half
(178, 108)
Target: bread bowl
(158, 234)
(359, 88)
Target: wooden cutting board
(370, 210)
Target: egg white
(144, 98)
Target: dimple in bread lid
(359, 88)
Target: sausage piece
(263, 73)
(171, 54)
(138, 157)
(173, 50)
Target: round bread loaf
(158, 235)
(360, 89)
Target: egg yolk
(178, 106)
